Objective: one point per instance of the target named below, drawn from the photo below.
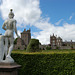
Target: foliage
(48, 48)
(43, 49)
(57, 47)
(71, 47)
(15, 41)
(33, 45)
(46, 64)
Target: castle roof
(53, 36)
(26, 31)
(59, 38)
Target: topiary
(33, 45)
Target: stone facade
(24, 40)
(55, 41)
(42, 47)
(58, 42)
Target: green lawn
(44, 52)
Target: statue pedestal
(9, 68)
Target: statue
(9, 26)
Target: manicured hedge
(33, 45)
(46, 64)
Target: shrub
(71, 47)
(15, 41)
(24, 48)
(48, 48)
(57, 47)
(19, 48)
(43, 49)
(33, 45)
(46, 64)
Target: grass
(44, 52)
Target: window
(58, 43)
(53, 40)
(59, 40)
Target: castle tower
(26, 36)
(53, 40)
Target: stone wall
(55, 47)
(61, 47)
(42, 47)
(65, 47)
(22, 47)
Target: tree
(57, 47)
(48, 47)
(15, 41)
(33, 45)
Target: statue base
(9, 68)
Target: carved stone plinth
(9, 68)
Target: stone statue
(9, 26)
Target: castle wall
(23, 42)
(65, 47)
(22, 47)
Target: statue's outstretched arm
(4, 26)
(15, 29)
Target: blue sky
(44, 17)
(58, 9)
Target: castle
(58, 42)
(55, 42)
(24, 40)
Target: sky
(43, 17)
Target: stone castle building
(55, 41)
(24, 40)
(58, 42)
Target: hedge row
(46, 64)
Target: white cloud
(57, 23)
(66, 32)
(19, 33)
(70, 17)
(26, 11)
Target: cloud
(66, 32)
(19, 33)
(57, 23)
(26, 11)
(70, 17)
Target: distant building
(55, 41)
(24, 40)
(58, 42)
(68, 43)
(26, 36)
